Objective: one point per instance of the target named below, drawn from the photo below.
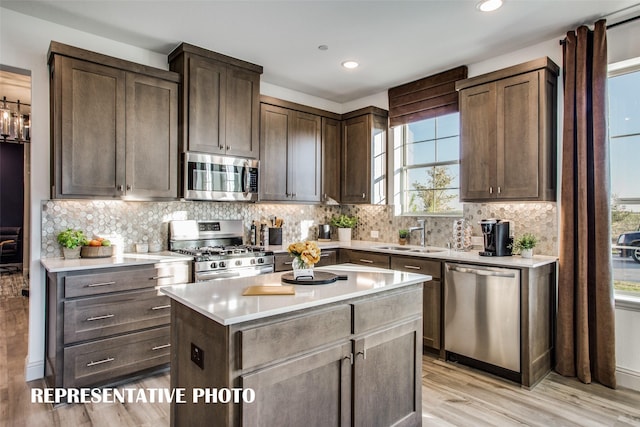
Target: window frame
(400, 186)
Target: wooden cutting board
(269, 290)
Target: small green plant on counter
(526, 241)
(344, 221)
(71, 238)
(403, 233)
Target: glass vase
(301, 270)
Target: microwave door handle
(245, 184)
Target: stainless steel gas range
(217, 249)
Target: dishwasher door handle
(482, 272)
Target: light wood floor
(452, 395)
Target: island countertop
(223, 302)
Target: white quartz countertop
(434, 252)
(55, 265)
(223, 302)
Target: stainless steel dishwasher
(482, 314)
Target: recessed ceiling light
(350, 64)
(489, 5)
(323, 47)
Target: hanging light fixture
(18, 125)
(5, 119)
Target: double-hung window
(624, 140)
(427, 166)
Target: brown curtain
(585, 345)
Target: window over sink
(624, 140)
(427, 167)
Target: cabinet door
(242, 103)
(331, 145)
(432, 295)
(152, 137)
(478, 142)
(517, 154)
(356, 160)
(206, 114)
(431, 325)
(314, 390)
(304, 157)
(89, 128)
(392, 357)
(274, 136)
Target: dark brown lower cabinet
(350, 363)
(107, 324)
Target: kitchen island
(345, 353)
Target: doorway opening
(15, 154)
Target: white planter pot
(344, 234)
(71, 253)
(526, 253)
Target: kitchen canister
(461, 235)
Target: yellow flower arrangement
(307, 252)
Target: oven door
(210, 177)
(201, 276)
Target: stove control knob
(253, 261)
(260, 261)
(213, 265)
(222, 264)
(238, 262)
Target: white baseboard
(628, 378)
(33, 371)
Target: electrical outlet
(197, 355)
(375, 234)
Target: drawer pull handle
(106, 316)
(100, 362)
(288, 263)
(325, 255)
(160, 347)
(367, 261)
(412, 267)
(160, 307)
(93, 285)
(363, 353)
(171, 276)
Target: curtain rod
(634, 18)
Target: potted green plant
(525, 244)
(71, 240)
(402, 236)
(344, 224)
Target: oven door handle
(201, 277)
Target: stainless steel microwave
(221, 178)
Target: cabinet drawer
(95, 317)
(375, 312)
(327, 258)
(282, 339)
(110, 281)
(283, 261)
(108, 359)
(368, 258)
(417, 265)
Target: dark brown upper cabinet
(363, 166)
(508, 122)
(114, 127)
(219, 102)
(290, 152)
(331, 146)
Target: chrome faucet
(423, 234)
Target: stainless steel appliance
(497, 240)
(482, 316)
(217, 249)
(211, 177)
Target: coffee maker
(497, 240)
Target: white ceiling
(394, 41)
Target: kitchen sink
(411, 249)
